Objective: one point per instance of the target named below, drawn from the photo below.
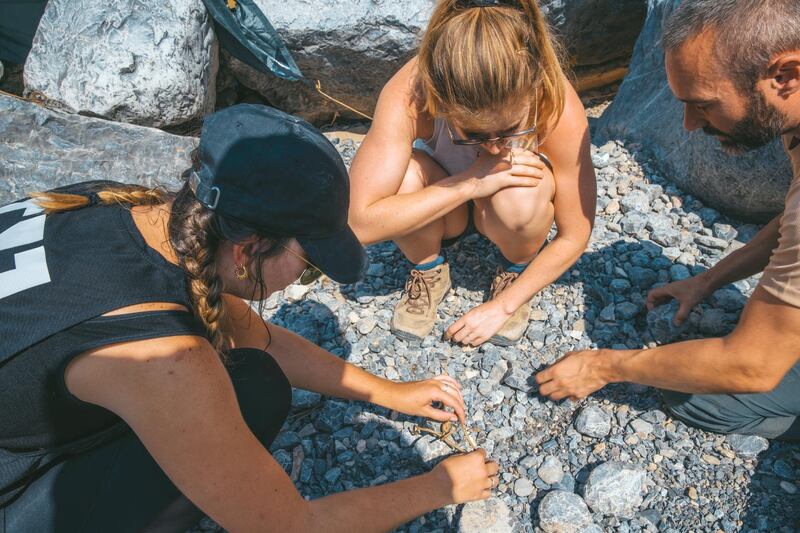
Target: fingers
(658, 296)
(682, 313)
(525, 170)
(454, 328)
(492, 467)
(449, 380)
(453, 400)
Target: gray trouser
(773, 414)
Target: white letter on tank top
(30, 266)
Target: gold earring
(240, 271)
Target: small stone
(747, 446)
(612, 208)
(627, 310)
(692, 493)
(791, 488)
(710, 459)
(714, 322)
(679, 273)
(660, 323)
(615, 489)
(641, 427)
(725, 232)
(711, 242)
(593, 422)
(551, 470)
(635, 200)
(538, 315)
(366, 325)
(523, 487)
(485, 516)
(633, 222)
(519, 379)
(295, 292)
(563, 512)
(303, 399)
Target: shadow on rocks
(315, 322)
(472, 266)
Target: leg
(424, 244)
(119, 487)
(773, 414)
(517, 219)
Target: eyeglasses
(490, 140)
(311, 274)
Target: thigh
(772, 414)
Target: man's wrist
(609, 365)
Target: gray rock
(563, 512)
(366, 325)
(729, 300)
(725, 232)
(303, 399)
(636, 200)
(523, 487)
(714, 322)
(519, 379)
(485, 516)
(679, 273)
(551, 470)
(42, 149)
(615, 489)
(633, 222)
(641, 427)
(354, 47)
(747, 446)
(660, 323)
(645, 111)
(153, 67)
(593, 422)
(644, 278)
(627, 310)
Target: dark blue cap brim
(340, 256)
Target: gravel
(606, 446)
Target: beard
(762, 124)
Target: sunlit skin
(740, 362)
(405, 196)
(176, 395)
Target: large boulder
(751, 186)
(355, 46)
(41, 149)
(115, 59)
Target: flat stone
(485, 516)
(523, 487)
(593, 422)
(563, 512)
(615, 489)
(551, 470)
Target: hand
(466, 477)
(688, 293)
(575, 376)
(416, 398)
(478, 324)
(515, 167)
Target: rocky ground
(614, 462)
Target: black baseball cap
(278, 174)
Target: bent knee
(422, 171)
(520, 208)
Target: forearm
(309, 367)
(401, 214)
(751, 259)
(381, 508)
(697, 366)
(547, 267)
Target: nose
(495, 147)
(692, 118)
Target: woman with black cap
(132, 372)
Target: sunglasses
(490, 140)
(311, 274)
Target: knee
(422, 171)
(262, 390)
(519, 208)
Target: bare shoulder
(138, 374)
(399, 103)
(573, 119)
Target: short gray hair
(750, 33)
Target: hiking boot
(515, 326)
(415, 313)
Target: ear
(785, 73)
(240, 250)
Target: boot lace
(501, 281)
(419, 292)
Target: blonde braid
(127, 195)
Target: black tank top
(58, 274)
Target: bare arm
(568, 147)
(182, 405)
(742, 362)
(750, 259)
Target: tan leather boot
(514, 328)
(415, 313)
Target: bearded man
(735, 64)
